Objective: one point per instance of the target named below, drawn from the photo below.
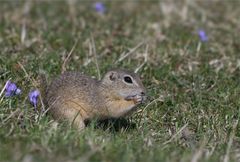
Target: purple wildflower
(11, 89)
(202, 35)
(100, 7)
(33, 97)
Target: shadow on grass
(113, 125)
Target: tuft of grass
(193, 109)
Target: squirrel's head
(125, 85)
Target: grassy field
(192, 113)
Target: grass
(193, 109)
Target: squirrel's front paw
(137, 99)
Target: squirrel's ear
(113, 75)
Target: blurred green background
(193, 84)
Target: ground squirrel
(77, 97)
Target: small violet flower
(33, 97)
(11, 89)
(100, 7)
(202, 35)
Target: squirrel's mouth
(137, 99)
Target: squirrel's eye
(127, 79)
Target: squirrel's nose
(143, 93)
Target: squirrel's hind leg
(62, 111)
(75, 119)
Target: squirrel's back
(70, 85)
(72, 89)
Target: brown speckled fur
(77, 97)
